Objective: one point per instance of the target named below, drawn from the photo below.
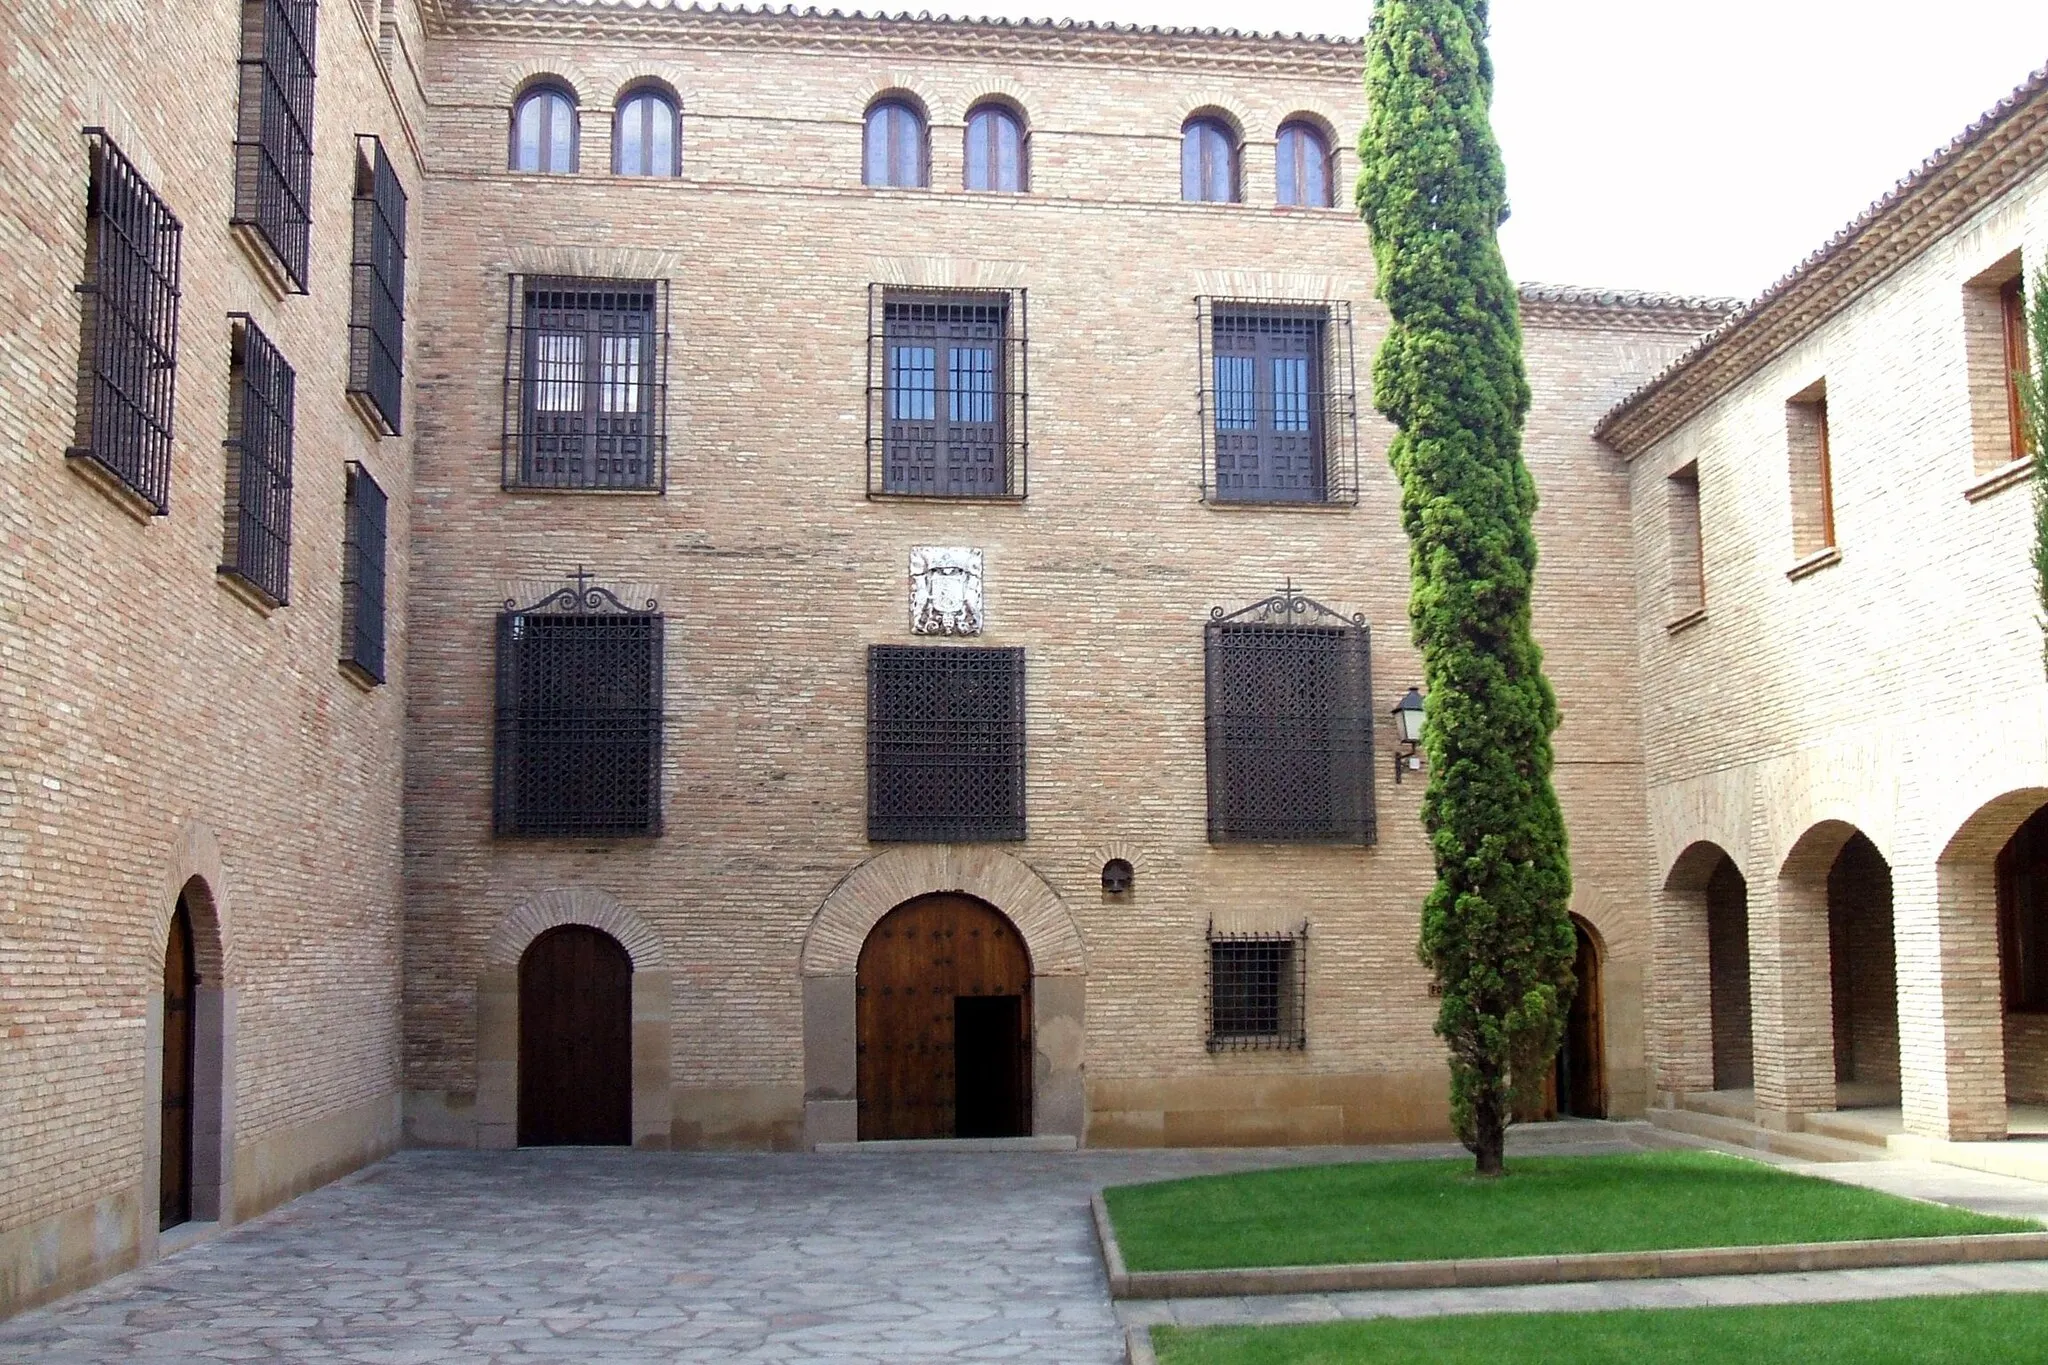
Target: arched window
(1208, 161)
(1302, 175)
(896, 150)
(544, 131)
(647, 141)
(995, 150)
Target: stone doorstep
(1056, 1142)
(1680, 1263)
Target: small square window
(1257, 989)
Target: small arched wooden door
(943, 1023)
(181, 985)
(575, 1040)
(1581, 1060)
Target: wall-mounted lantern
(1408, 716)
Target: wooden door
(943, 1023)
(181, 984)
(1581, 1061)
(575, 1040)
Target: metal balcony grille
(274, 130)
(1278, 401)
(258, 506)
(579, 717)
(948, 393)
(362, 577)
(945, 744)
(1258, 991)
(1289, 724)
(376, 317)
(128, 342)
(586, 384)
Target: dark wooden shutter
(590, 384)
(947, 390)
(1269, 385)
(1290, 733)
(945, 743)
(579, 724)
(362, 576)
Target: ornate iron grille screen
(948, 393)
(1278, 401)
(1258, 990)
(274, 130)
(128, 343)
(1289, 724)
(376, 317)
(586, 384)
(579, 718)
(258, 507)
(945, 744)
(362, 577)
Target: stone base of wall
(1269, 1111)
(742, 1118)
(282, 1165)
(68, 1251)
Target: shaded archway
(1580, 1080)
(1727, 906)
(1700, 999)
(575, 1040)
(2022, 871)
(1863, 976)
(189, 1019)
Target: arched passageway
(575, 1040)
(1863, 976)
(2022, 870)
(1727, 901)
(1580, 1082)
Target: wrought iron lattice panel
(274, 130)
(362, 576)
(579, 718)
(1278, 401)
(1289, 687)
(1258, 991)
(945, 744)
(258, 506)
(948, 397)
(586, 384)
(376, 316)
(128, 343)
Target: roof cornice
(1990, 157)
(1604, 309)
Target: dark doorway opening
(991, 1057)
(1728, 976)
(575, 1040)
(1581, 1078)
(181, 988)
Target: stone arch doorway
(942, 1012)
(1580, 1075)
(575, 1040)
(190, 1063)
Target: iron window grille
(376, 317)
(586, 384)
(948, 393)
(128, 342)
(945, 744)
(1258, 991)
(258, 507)
(1289, 685)
(579, 716)
(1278, 401)
(274, 131)
(362, 577)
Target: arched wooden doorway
(575, 1040)
(1581, 1079)
(180, 1065)
(943, 1023)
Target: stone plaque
(945, 590)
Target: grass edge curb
(1138, 1347)
(1112, 1254)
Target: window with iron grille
(947, 393)
(258, 506)
(586, 366)
(362, 577)
(1278, 402)
(1289, 724)
(1258, 990)
(376, 315)
(274, 131)
(579, 718)
(128, 331)
(945, 744)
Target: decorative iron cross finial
(582, 578)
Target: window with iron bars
(948, 393)
(376, 315)
(258, 508)
(362, 577)
(1278, 401)
(128, 332)
(1289, 725)
(945, 744)
(274, 131)
(1258, 990)
(579, 720)
(586, 368)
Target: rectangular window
(362, 577)
(946, 393)
(1811, 476)
(585, 391)
(579, 722)
(2012, 309)
(128, 332)
(1258, 986)
(376, 316)
(274, 131)
(258, 509)
(1279, 402)
(1688, 578)
(945, 744)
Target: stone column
(1951, 1021)
(1791, 997)
(653, 1058)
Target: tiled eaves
(1990, 157)
(1564, 305)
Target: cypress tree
(1495, 929)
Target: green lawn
(1436, 1210)
(1979, 1329)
